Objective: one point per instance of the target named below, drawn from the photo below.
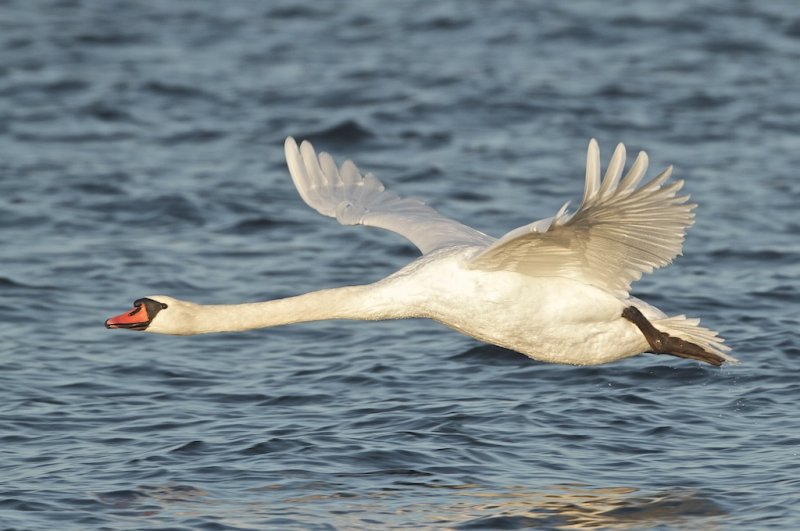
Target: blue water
(141, 153)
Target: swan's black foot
(663, 343)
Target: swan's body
(555, 290)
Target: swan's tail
(680, 336)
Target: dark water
(141, 153)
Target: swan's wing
(355, 199)
(619, 231)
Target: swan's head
(158, 314)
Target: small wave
(75, 137)
(347, 131)
(175, 207)
(736, 47)
(102, 184)
(16, 504)
(110, 38)
(106, 113)
(9, 283)
(274, 445)
(296, 400)
(617, 90)
(197, 136)
(673, 25)
(55, 87)
(256, 225)
(297, 11)
(438, 23)
(671, 369)
(757, 255)
(783, 293)
(176, 90)
(423, 175)
(793, 29)
(192, 447)
(703, 100)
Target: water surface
(141, 153)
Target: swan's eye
(164, 306)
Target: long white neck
(369, 302)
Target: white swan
(555, 290)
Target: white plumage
(555, 289)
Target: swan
(556, 290)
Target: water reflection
(584, 507)
(466, 506)
(571, 506)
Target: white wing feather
(361, 199)
(618, 232)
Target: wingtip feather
(592, 171)
(297, 169)
(613, 172)
(635, 173)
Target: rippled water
(141, 152)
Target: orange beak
(136, 319)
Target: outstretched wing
(618, 232)
(355, 199)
